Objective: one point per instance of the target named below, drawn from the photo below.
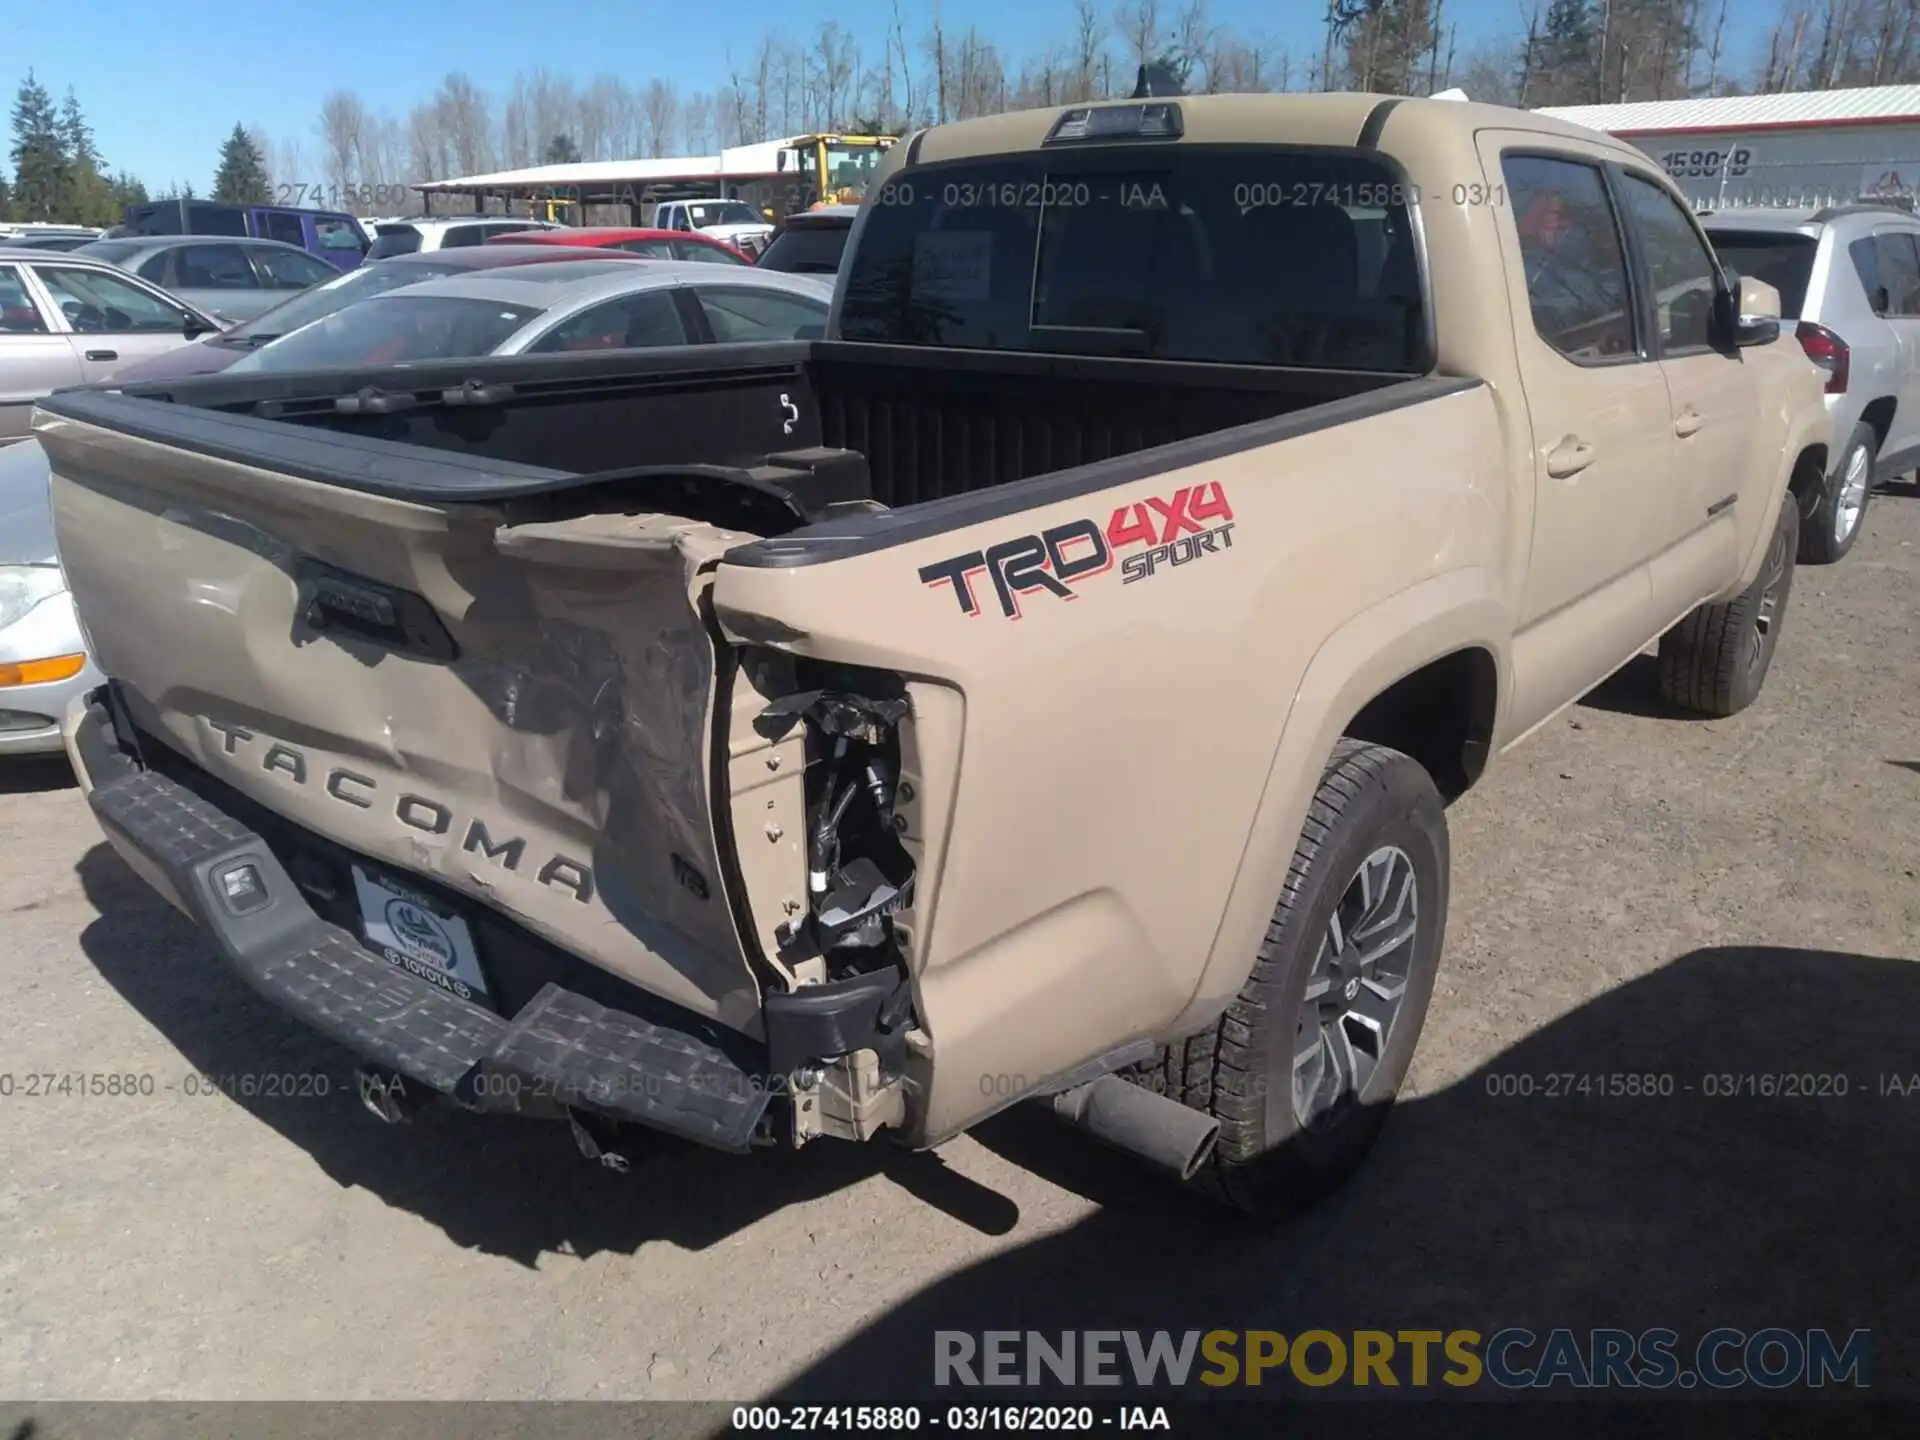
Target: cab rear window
(1263, 257)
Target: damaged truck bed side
(1047, 686)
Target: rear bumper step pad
(563, 1047)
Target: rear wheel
(1830, 531)
(1716, 659)
(1304, 1065)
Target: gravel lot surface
(1634, 893)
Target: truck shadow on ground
(1726, 1203)
(518, 1189)
(1634, 689)
(36, 775)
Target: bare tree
(1138, 23)
(343, 122)
(598, 117)
(834, 59)
(696, 124)
(661, 105)
(469, 128)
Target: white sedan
(568, 306)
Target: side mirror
(1757, 313)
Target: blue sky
(163, 84)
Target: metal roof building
(1872, 105)
(625, 182)
(1808, 148)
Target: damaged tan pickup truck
(1048, 685)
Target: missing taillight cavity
(858, 873)
(1827, 350)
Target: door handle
(103, 354)
(1688, 422)
(1569, 457)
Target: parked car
(233, 280)
(734, 221)
(653, 244)
(333, 236)
(1849, 280)
(43, 657)
(597, 303)
(37, 235)
(217, 352)
(1051, 685)
(68, 319)
(810, 242)
(443, 232)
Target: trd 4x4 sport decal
(1168, 532)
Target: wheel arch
(1447, 636)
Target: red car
(652, 244)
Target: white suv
(442, 232)
(1850, 276)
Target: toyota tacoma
(1047, 686)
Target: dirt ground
(1633, 893)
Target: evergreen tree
(92, 200)
(242, 176)
(42, 172)
(1568, 57)
(561, 151)
(6, 199)
(127, 191)
(77, 135)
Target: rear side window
(652, 249)
(457, 236)
(739, 316)
(633, 322)
(293, 270)
(213, 267)
(284, 228)
(1900, 272)
(712, 254)
(18, 314)
(1254, 257)
(393, 240)
(1575, 263)
(1866, 264)
(1782, 261)
(807, 249)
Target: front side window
(213, 267)
(18, 314)
(1572, 255)
(1679, 265)
(392, 330)
(633, 322)
(96, 303)
(1248, 256)
(807, 249)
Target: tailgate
(488, 704)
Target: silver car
(564, 307)
(1850, 277)
(43, 656)
(68, 320)
(233, 278)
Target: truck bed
(929, 425)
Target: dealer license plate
(419, 936)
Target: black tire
(1716, 659)
(1829, 532)
(1266, 1162)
